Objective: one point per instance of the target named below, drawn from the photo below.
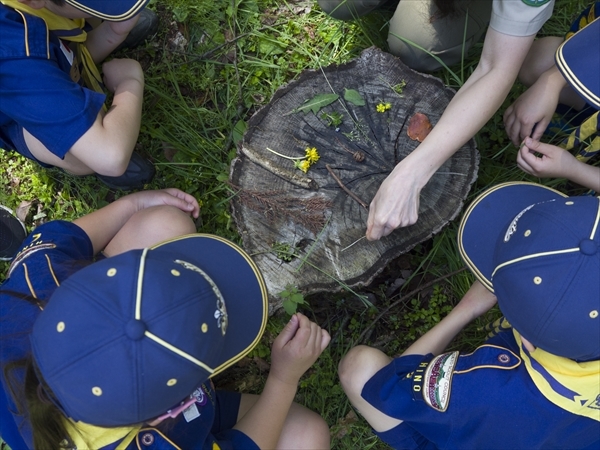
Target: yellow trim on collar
(580, 380)
(85, 435)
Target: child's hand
(170, 197)
(545, 160)
(116, 71)
(297, 348)
(531, 113)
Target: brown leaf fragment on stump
(419, 127)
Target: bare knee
(149, 227)
(304, 429)
(358, 366)
(168, 221)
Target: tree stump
(303, 229)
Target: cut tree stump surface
(278, 207)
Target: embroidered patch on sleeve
(437, 383)
(535, 2)
(28, 251)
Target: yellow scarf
(69, 30)
(572, 386)
(91, 436)
(588, 130)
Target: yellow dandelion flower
(380, 108)
(312, 155)
(387, 105)
(302, 165)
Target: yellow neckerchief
(68, 30)
(90, 436)
(572, 386)
(588, 130)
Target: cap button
(135, 329)
(588, 247)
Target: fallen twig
(406, 297)
(348, 191)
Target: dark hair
(32, 398)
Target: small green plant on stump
(291, 299)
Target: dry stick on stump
(406, 297)
(348, 191)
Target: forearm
(470, 109)
(263, 423)
(438, 338)
(107, 146)
(102, 225)
(586, 175)
(123, 119)
(477, 301)
(106, 37)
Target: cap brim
(241, 284)
(114, 11)
(578, 59)
(487, 220)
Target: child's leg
(540, 59)
(39, 151)
(356, 368)
(148, 227)
(303, 428)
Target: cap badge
(221, 312)
(512, 228)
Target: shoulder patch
(535, 2)
(26, 252)
(437, 382)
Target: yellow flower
(302, 165)
(312, 156)
(383, 107)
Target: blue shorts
(191, 435)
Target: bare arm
(107, 36)
(102, 225)
(531, 113)
(107, 146)
(294, 351)
(396, 203)
(477, 301)
(549, 161)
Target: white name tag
(191, 413)
(67, 52)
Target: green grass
(197, 100)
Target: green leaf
(354, 97)
(290, 307)
(297, 298)
(238, 131)
(316, 103)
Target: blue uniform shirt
(37, 92)
(52, 253)
(482, 400)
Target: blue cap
(127, 338)
(578, 59)
(538, 251)
(112, 10)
